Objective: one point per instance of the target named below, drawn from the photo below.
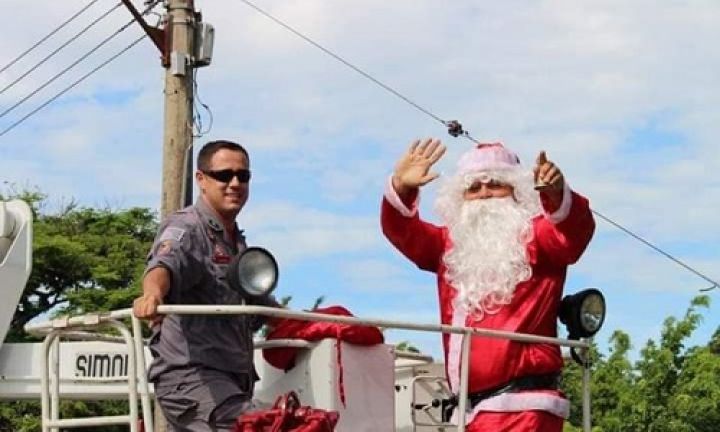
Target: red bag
(288, 416)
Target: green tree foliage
(714, 344)
(670, 388)
(83, 260)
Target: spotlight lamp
(253, 273)
(583, 314)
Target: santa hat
(487, 157)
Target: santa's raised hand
(413, 169)
(549, 180)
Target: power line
(66, 89)
(455, 129)
(714, 283)
(72, 65)
(147, 10)
(57, 50)
(46, 37)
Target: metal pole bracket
(157, 35)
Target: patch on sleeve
(172, 233)
(164, 247)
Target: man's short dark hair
(212, 147)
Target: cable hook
(454, 128)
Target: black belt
(531, 382)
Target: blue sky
(623, 96)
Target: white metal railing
(138, 354)
(50, 388)
(50, 378)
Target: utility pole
(177, 140)
(177, 135)
(175, 42)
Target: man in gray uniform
(203, 365)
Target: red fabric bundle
(284, 358)
(288, 416)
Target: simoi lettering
(101, 365)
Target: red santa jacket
(558, 241)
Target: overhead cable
(455, 129)
(669, 256)
(76, 82)
(58, 49)
(72, 65)
(46, 37)
(147, 10)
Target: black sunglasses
(226, 175)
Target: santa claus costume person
(501, 258)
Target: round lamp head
(253, 273)
(583, 313)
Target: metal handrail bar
(55, 381)
(283, 343)
(78, 321)
(464, 372)
(466, 332)
(259, 344)
(140, 364)
(91, 421)
(86, 336)
(587, 419)
(45, 377)
(99, 380)
(81, 320)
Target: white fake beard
(489, 254)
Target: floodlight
(253, 273)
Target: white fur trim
(523, 401)
(455, 348)
(394, 199)
(526, 401)
(487, 157)
(563, 211)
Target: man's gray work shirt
(194, 246)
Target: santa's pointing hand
(413, 169)
(549, 180)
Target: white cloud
(299, 233)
